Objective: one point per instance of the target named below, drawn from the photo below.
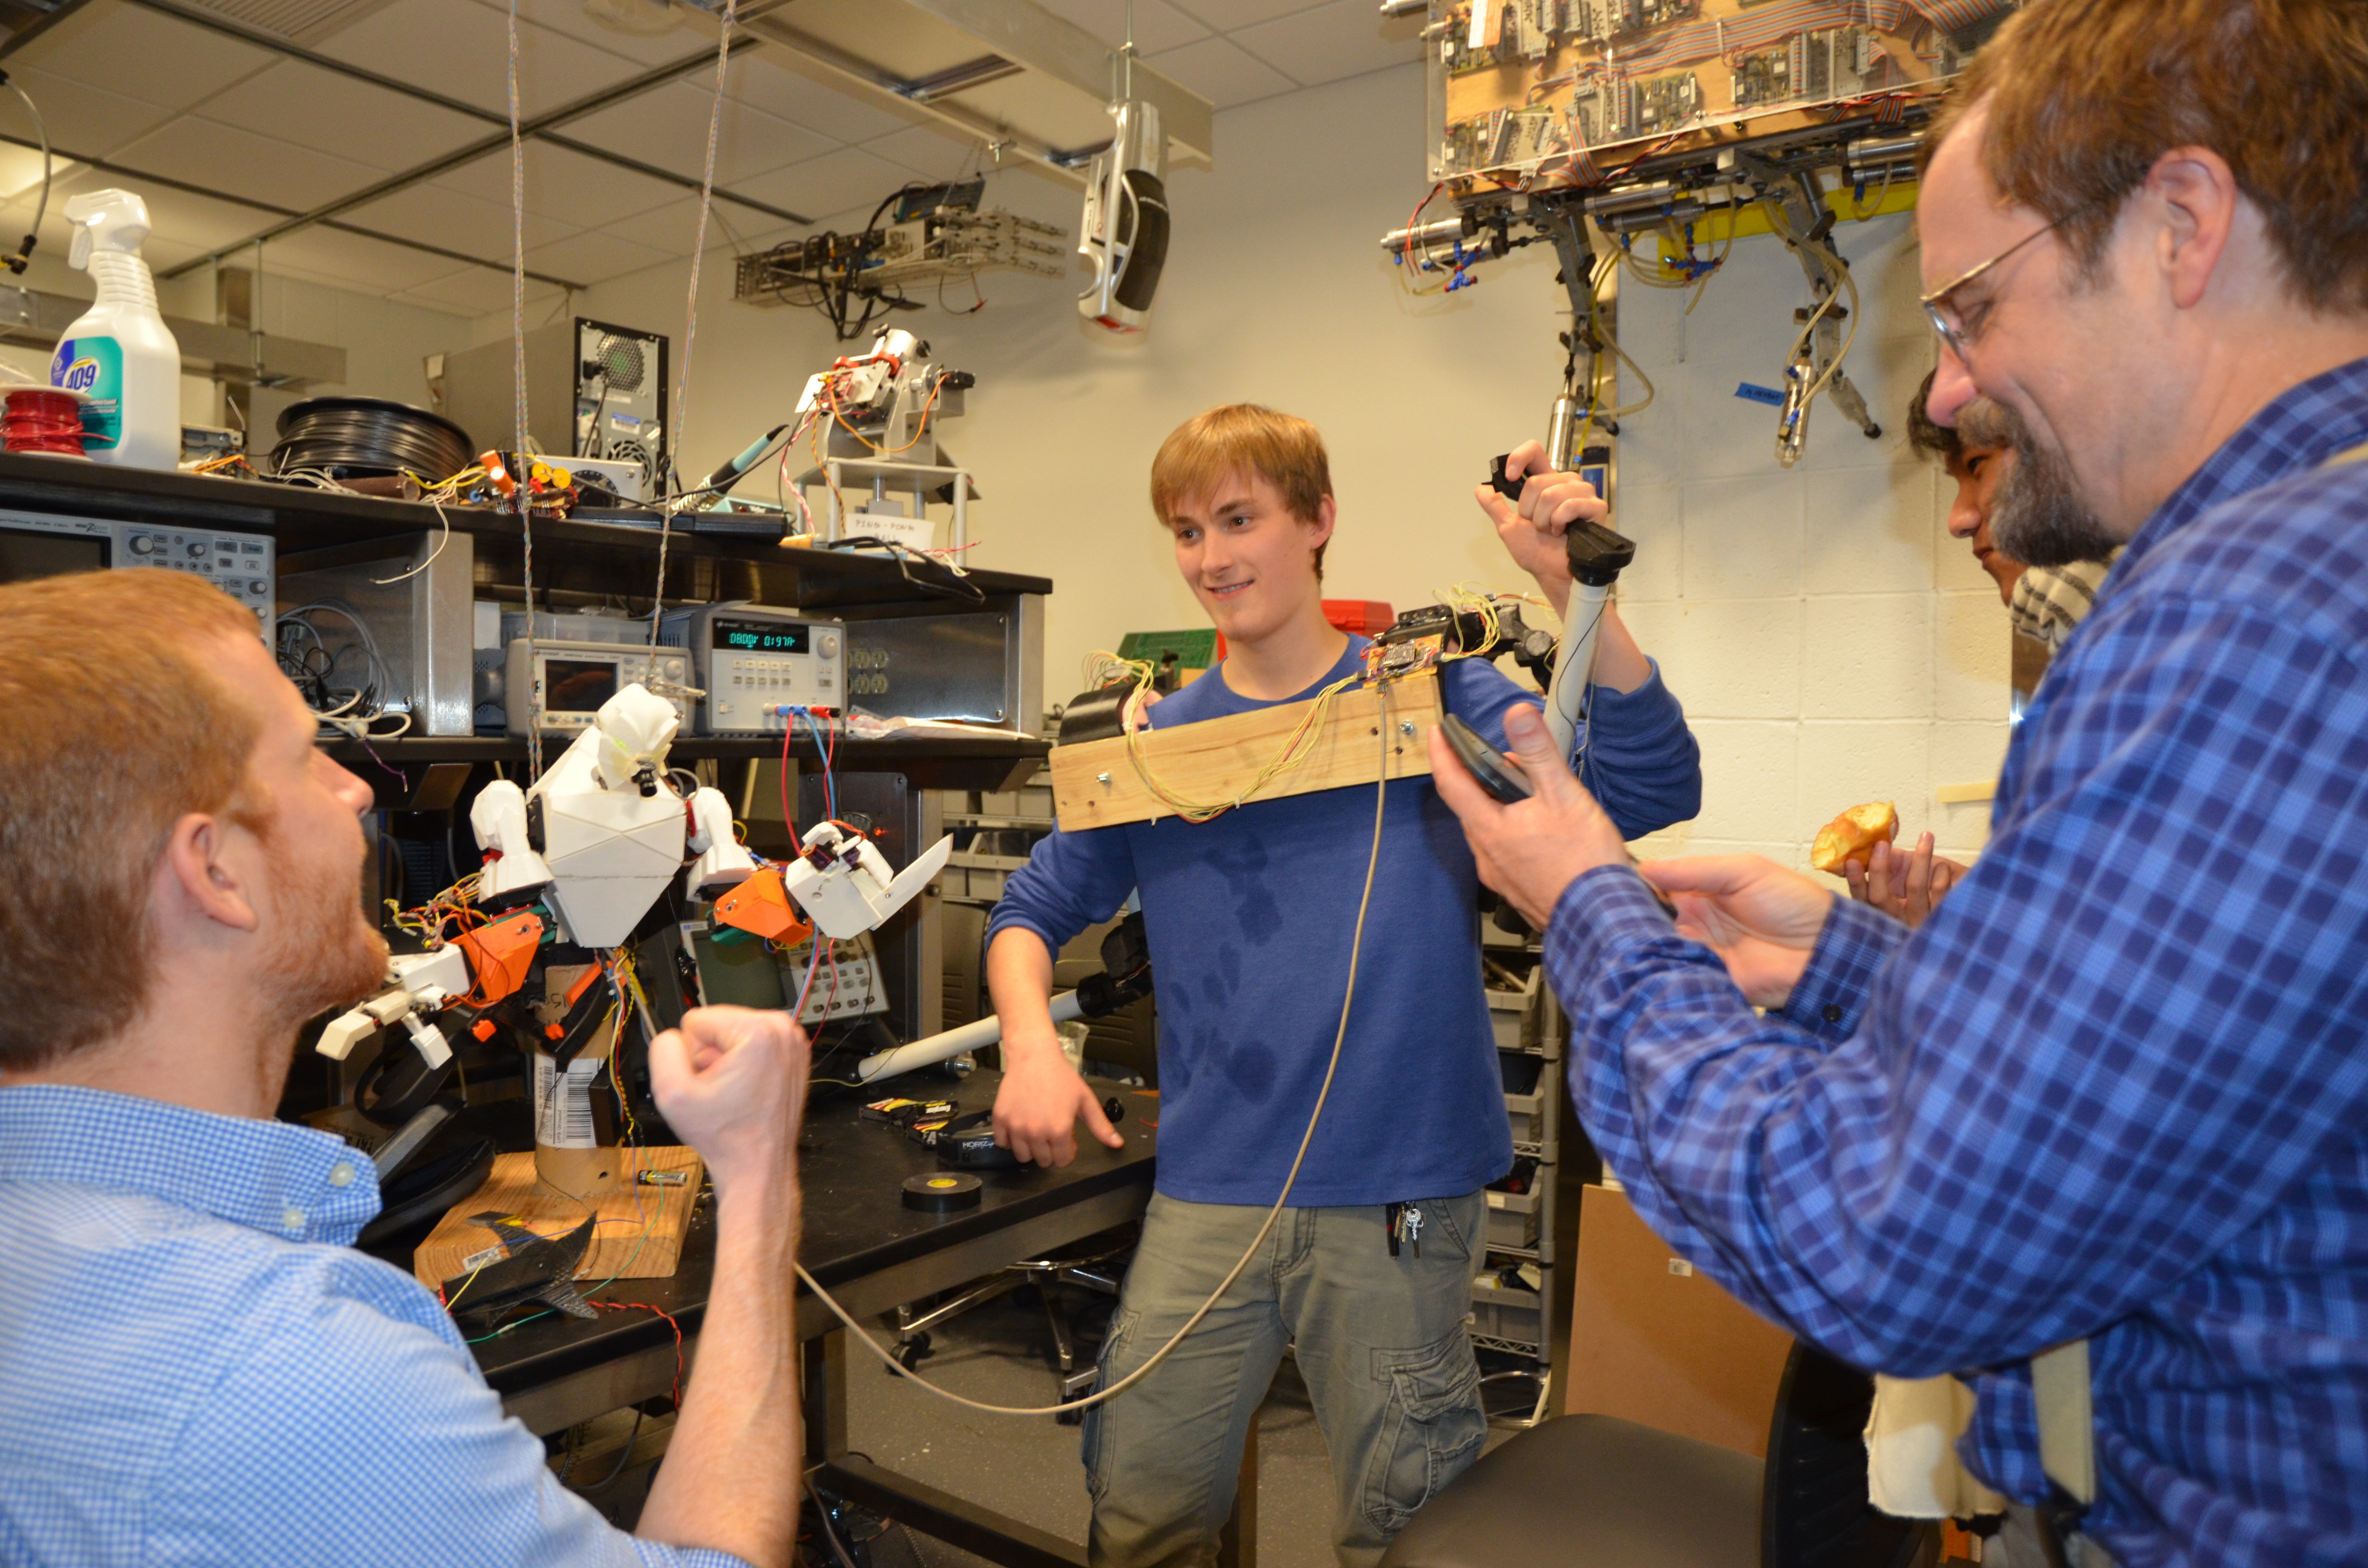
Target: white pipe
(1574, 665)
(936, 1048)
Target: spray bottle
(120, 352)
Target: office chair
(1597, 1492)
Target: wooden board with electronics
(1543, 92)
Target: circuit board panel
(1555, 91)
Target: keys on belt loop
(1403, 1223)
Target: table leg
(824, 1359)
(1237, 1543)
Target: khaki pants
(1379, 1339)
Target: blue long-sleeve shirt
(1251, 916)
(197, 1369)
(2117, 1086)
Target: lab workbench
(861, 1244)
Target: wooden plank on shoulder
(1097, 784)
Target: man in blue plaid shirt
(2103, 1117)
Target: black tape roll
(943, 1193)
(1096, 715)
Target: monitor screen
(29, 555)
(578, 685)
(761, 637)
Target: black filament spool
(358, 437)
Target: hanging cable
(690, 307)
(518, 370)
(17, 262)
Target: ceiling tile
(1347, 38)
(352, 261)
(575, 189)
(458, 222)
(480, 291)
(1223, 72)
(143, 54)
(330, 113)
(929, 152)
(668, 126)
(668, 228)
(771, 79)
(1157, 24)
(834, 182)
(570, 17)
(83, 119)
(175, 216)
(595, 258)
(224, 158)
(1226, 14)
(464, 50)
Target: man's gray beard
(2037, 515)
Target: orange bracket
(499, 954)
(761, 907)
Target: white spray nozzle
(105, 219)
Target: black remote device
(1509, 488)
(1497, 774)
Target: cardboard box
(1654, 1341)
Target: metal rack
(1522, 1227)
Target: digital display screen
(577, 685)
(24, 556)
(762, 637)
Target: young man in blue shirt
(1252, 918)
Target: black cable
(618, 1468)
(367, 436)
(955, 585)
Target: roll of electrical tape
(941, 1194)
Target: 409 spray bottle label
(93, 366)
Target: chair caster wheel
(909, 1354)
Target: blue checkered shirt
(194, 1367)
(2116, 1087)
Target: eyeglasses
(1946, 320)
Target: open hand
(1532, 849)
(1906, 885)
(1762, 919)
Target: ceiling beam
(39, 24)
(882, 86)
(213, 22)
(1024, 32)
(418, 174)
(63, 156)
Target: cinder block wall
(1831, 643)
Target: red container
(43, 419)
(1359, 617)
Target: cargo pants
(1380, 1341)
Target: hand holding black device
(1497, 773)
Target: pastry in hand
(1853, 836)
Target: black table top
(855, 1223)
(301, 518)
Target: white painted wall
(1832, 643)
(386, 343)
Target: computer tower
(592, 390)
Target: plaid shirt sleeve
(2127, 1034)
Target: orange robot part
(761, 907)
(499, 953)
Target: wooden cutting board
(639, 1237)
